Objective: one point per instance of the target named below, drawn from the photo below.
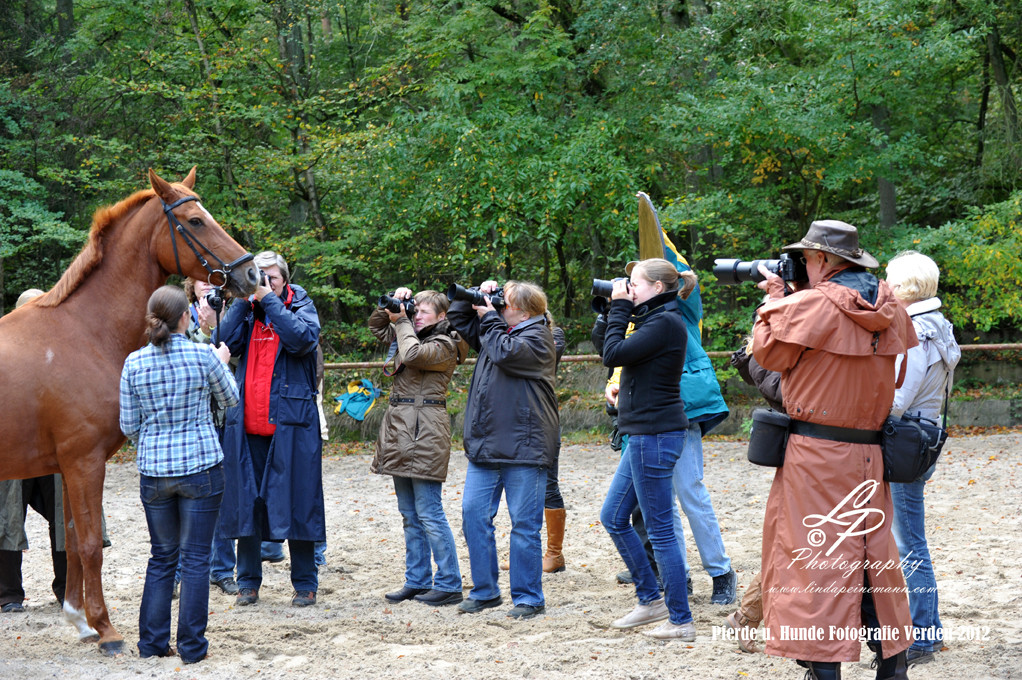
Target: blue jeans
(304, 574)
(427, 532)
(181, 513)
(643, 478)
(524, 487)
(222, 559)
(697, 506)
(320, 551)
(910, 535)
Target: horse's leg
(85, 493)
(74, 601)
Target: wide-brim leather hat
(839, 238)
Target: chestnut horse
(62, 355)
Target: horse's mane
(92, 254)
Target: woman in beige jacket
(414, 444)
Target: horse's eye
(195, 222)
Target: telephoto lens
(393, 305)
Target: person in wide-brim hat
(839, 238)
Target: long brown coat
(835, 352)
(415, 438)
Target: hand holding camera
(263, 289)
(489, 297)
(396, 303)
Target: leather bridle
(225, 268)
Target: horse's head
(195, 245)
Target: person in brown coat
(414, 445)
(830, 564)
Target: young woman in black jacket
(652, 413)
(511, 436)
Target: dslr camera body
(393, 305)
(215, 299)
(730, 271)
(475, 297)
(602, 290)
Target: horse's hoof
(112, 648)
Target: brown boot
(553, 560)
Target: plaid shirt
(165, 406)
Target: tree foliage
(379, 143)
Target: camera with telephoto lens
(602, 290)
(475, 297)
(730, 271)
(393, 305)
(215, 299)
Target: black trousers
(39, 493)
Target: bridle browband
(191, 239)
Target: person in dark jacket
(651, 411)
(511, 434)
(272, 445)
(414, 445)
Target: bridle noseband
(191, 239)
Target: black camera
(789, 268)
(215, 299)
(604, 288)
(475, 297)
(601, 293)
(393, 305)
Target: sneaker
(247, 596)
(918, 656)
(625, 577)
(643, 614)
(674, 631)
(227, 584)
(303, 598)
(471, 606)
(13, 608)
(725, 588)
(439, 598)
(745, 632)
(525, 611)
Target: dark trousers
(39, 494)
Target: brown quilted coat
(415, 438)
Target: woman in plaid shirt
(165, 407)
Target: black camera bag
(911, 444)
(769, 437)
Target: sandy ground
(973, 503)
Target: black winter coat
(652, 360)
(511, 415)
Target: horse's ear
(161, 187)
(189, 181)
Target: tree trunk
(1000, 74)
(65, 20)
(885, 188)
(981, 119)
(218, 127)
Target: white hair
(913, 276)
(268, 258)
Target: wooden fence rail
(584, 358)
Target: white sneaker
(674, 631)
(643, 614)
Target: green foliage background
(378, 144)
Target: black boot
(893, 668)
(821, 670)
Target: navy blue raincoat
(291, 490)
